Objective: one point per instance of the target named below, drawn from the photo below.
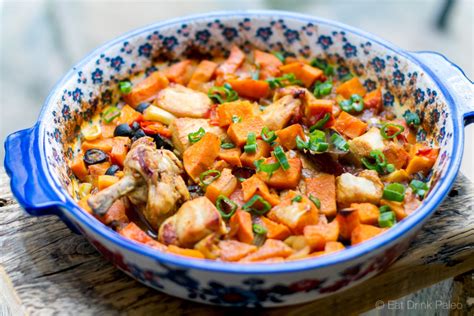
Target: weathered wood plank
(54, 270)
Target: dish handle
(30, 185)
(459, 85)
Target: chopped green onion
(110, 113)
(390, 168)
(281, 157)
(380, 163)
(125, 86)
(384, 208)
(318, 135)
(251, 138)
(227, 145)
(412, 118)
(251, 146)
(339, 142)
(354, 104)
(419, 187)
(269, 168)
(209, 176)
(322, 88)
(346, 105)
(259, 240)
(394, 192)
(250, 149)
(223, 94)
(320, 124)
(285, 80)
(297, 199)
(318, 147)
(387, 219)
(196, 136)
(236, 119)
(280, 56)
(317, 141)
(357, 102)
(228, 203)
(301, 144)
(257, 205)
(315, 200)
(386, 126)
(323, 65)
(259, 229)
(267, 135)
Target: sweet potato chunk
(231, 156)
(238, 131)
(239, 109)
(287, 136)
(364, 232)
(254, 185)
(233, 250)
(133, 232)
(350, 87)
(350, 125)
(263, 151)
(250, 88)
(146, 89)
(348, 220)
(323, 187)
(368, 213)
(241, 225)
(202, 74)
(201, 155)
(269, 64)
(271, 249)
(274, 229)
(224, 185)
(304, 72)
(283, 179)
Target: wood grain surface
(53, 271)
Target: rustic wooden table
(45, 269)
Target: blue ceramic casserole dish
(425, 82)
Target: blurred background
(41, 40)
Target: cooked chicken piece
(295, 91)
(151, 181)
(182, 127)
(195, 220)
(278, 114)
(366, 187)
(183, 102)
(295, 215)
(362, 146)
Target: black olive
(162, 142)
(123, 130)
(142, 107)
(135, 126)
(138, 134)
(112, 170)
(94, 156)
(243, 172)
